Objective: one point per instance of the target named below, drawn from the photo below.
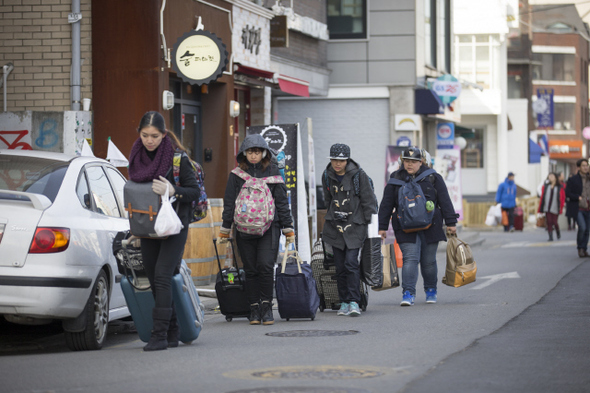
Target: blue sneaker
(344, 309)
(354, 310)
(408, 299)
(430, 296)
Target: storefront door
(186, 117)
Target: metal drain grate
(313, 333)
(302, 389)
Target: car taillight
(50, 240)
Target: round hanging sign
(199, 57)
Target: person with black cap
(418, 247)
(506, 195)
(350, 203)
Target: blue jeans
(423, 254)
(348, 274)
(583, 229)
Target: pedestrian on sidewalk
(551, 203)
(418, 248)
(258, 251)
(350, 201)
(151, 160)
(578, 191)
(506, 195)
(571, 208)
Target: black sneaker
(254, 314)
(266, 312)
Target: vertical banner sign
(283, 138)
(448, 165)
(544, 108)
(313, 212)
(445, 135)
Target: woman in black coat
(258, 252)
(418, 248)
(151, 160)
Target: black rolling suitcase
(230, 287)
(324, 272)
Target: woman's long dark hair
(156, 120)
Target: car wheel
(97, 318)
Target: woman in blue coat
(418, 248)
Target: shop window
(347, 19)
(554, 67)
(472, 156)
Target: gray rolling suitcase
(324, 272)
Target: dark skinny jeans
(161, 258)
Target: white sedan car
(59, 215)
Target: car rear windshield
(32, 174)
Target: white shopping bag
(491, 219)
(167, 221)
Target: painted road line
(495, 278)
(569, 243)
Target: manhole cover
(313, 333)
(301, 390)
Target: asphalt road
(521, 327)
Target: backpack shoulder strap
(276, 179)
(395, 182)
(357, 184)
(423, 175)
(176, 167)
(240, 173)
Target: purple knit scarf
(142, 168)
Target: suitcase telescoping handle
(297, 258)
(230, 240)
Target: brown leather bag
(541, 221)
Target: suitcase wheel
(228, 318)
(312, 318)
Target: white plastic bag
(167, 221)
(491, 219)
(373, 227)
(498, 212)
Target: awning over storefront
(535, 152)
(254, 72)
(293, 86)
(427, 102)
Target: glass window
(32, 174)
(554, 67)
(475, 58)
(564, 116)
(472, 155)
(83, 193)
(515, 85)
(118, 182)
(347, 18)
(101, 192)
(430, 32)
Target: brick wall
(36, 37)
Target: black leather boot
(558, 233)
(173, 330)
(266, 311)
(550, 236)
(254, 314)
(159, 338)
